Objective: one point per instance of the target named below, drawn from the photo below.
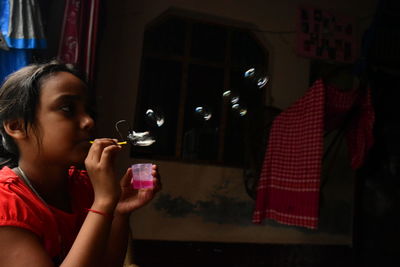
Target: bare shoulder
(19, 247)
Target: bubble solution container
(141, 176)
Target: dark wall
(378, 219)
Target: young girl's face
(64, 125)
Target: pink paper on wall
(324, 35)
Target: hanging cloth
(289, 185)
(21, 30)
(3, 43)
(79, 33)
(21, 24)
(353, 111)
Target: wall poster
(324, 35)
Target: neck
(49, 182)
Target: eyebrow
(69, 97)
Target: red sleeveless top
(57, 229)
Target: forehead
(62, 83)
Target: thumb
(126, 179)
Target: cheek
(59, 133)
(35, 136)
(56, 141)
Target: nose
(87, 122)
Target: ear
(15, 128)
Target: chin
(79, 159)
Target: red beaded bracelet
(101, 213)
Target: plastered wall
(120, 46)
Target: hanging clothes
(3, 43)
(289, 185)
(21, 24)
(21, 31)
(352, 110)
(79, 34)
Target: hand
(132, 199)
(100, 167)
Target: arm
(130, 200)
(90, 245)
(20, 247)
(91, 242)
(118, 241)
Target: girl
(51, 213)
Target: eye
(67, 108)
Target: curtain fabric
(79, 34)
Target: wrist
(104, 214)
(103, 205)
(118, 214)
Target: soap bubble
(262, 82)
(154, 117)
(230, 97)
(239, 109)
(250, 73)
(147, 142)
(256, 77)
(227, 94)
(203, 113)
(140, 138)
(134, 138)
(235, 99)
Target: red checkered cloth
(289, 186)
(354, 110)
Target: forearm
(91, 243)
(118, 241)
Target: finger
(95, 151)
(126, 179)
(109, 153)
(109, 145)
(97, 148)
(154, 172)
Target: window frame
(186, 60)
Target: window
(188, 69)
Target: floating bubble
(262, 82)
(231, 97)
(141, 138)
(135, 138)
(256, 77)
(249, 73)
(227, 94)
(154, 117)
(144, 142)
(203, 113)
(239, 109)
(235, 99)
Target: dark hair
(19, 97)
